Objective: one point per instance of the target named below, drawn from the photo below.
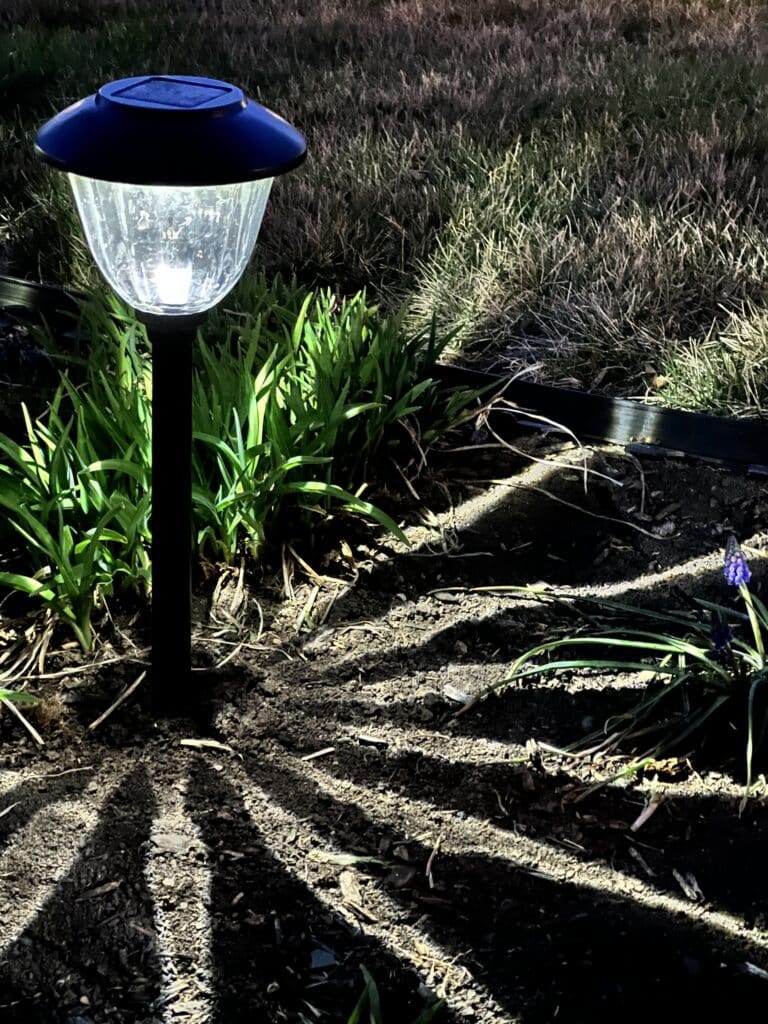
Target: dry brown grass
(576, 182)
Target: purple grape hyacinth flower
(736, 570)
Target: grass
(576, 186)
(295, 393)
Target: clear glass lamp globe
(168, 250)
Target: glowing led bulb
(173, 284)
(167, 249)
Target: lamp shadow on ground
(538, 945)
(535, 942)
(90, 942)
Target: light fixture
(171, 175)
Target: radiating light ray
(412, 945)
(469, 835)
(655, 583)
(10, 780)
(717, 789)
(38, 857)
(179, 878)
(701, 565)
(468, 512)
(475, 749)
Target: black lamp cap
(170, 130)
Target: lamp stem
(172, 340)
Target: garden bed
(347, 817)
(578, 188)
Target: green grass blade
(18, 697)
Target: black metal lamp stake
(171, 175)
(172, 340)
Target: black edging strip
(651, 429)
(648, 429)
(29, 300)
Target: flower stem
(754, 623)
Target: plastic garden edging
(740, 444)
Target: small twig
(229, 615)
(78, 669)
(18, 669)
(689, 885)
(411, 489)
(642, 861)
(9, 808)
(549, 749)
(471, 448)
(57, 775)
(239, 595)
(328, 606)
(585, 469)
(260, 630)
(240, 645)
(428, 870)
(307, 609)
(415, 439)
(643, 488)
(313, 575)
(208, 745)
(27, 725)
(228, 657)
(496, 793)
(570, 504)
(317, 753)
(287, 576)
(44, 648)
(650, 808)
(123, 697)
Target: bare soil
(345, 816)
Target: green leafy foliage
(18, 697)
(309, 392)
(696, 665)
(368, 1008)
(292, 399)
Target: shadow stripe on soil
(689, 833)
(535, 936)
(90, 936)
(549, 713)
(500, 635)
(390, 809)
(474, 835)
(177, 870)
(271, 914)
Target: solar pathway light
(171, 175)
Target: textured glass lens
(171, 250)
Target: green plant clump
(293, 396)
(368, 1009)
(704, 665)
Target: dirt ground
(340, 814)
